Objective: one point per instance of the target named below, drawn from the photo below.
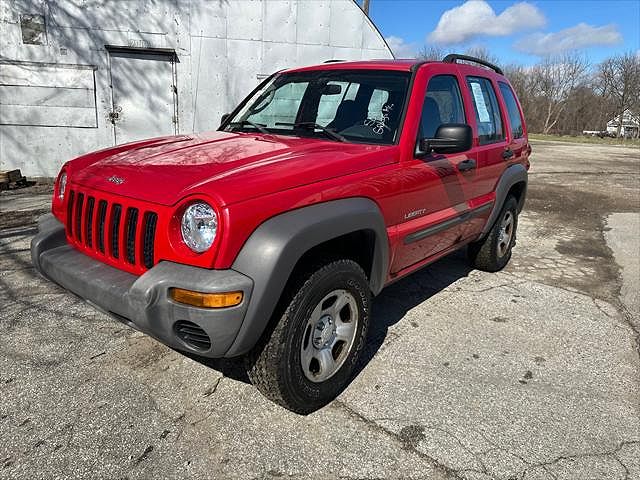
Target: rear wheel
(494, 251)
(310, 355)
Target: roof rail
(333, 60)
(454, 57)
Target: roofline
(375, 27)
(402, 65)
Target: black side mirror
(224, 118)
(450, 138)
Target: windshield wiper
(257, 126)
(330, 132)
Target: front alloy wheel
(329, 335)
(318, 334)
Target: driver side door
(437, 188)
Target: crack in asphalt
(477, 455)
(609, 453)
(438, 466)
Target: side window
(515, 120)
(487, 111)
(442, 104)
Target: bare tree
(482, 53)
(432, 53)
(554, 79)
(566, 94)
(620, 82)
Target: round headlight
(62, 185)
(199, 226)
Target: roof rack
(454, 57)
(333, 61)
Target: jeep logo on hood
(115, 179)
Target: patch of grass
(627, 142)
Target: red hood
(229, 166)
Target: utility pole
(365, 7)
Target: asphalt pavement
(529, 373)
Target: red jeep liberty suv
(267, 238)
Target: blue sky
(519, 32)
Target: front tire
(310, 355)
(494, 251)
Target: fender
(273, 249)
(514, 174)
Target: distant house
(630, 125)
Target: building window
(34, 31)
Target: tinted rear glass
(515, 120)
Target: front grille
(113, 231)
(192, 335)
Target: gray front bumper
(143, 302)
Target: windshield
(362, 106)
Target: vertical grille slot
(102, 215)
(131, 224)
(70, 213)
(150, 221)
(78, 218)
(115, 230)
(89, 222)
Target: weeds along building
(81, 75)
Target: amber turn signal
(206, 300)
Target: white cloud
(573, 38)
(400, 48)
(476, 17)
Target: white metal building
(79, 75)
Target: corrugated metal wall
(80, 75)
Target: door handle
(507, 154)
(467, 165)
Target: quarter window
(515, 120)
(487, 111)
(442, 104)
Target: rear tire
(494, 251)
(310, 354)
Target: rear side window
(487, 111)
(515, 120)
(442, 104)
